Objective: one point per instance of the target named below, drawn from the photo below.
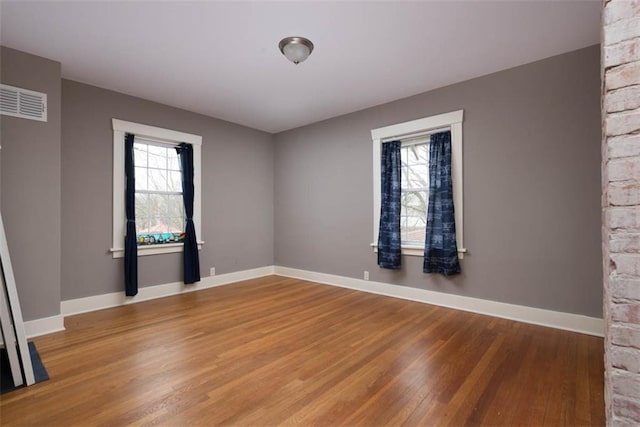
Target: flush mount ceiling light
(296, 49)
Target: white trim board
(49, 325)
(43, 326)
(537, 316)
(554, 319)
(114, 299)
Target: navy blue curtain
(389, 229)
(441, 251)
(130, 244)
(191, 260)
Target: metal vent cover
(23, 103)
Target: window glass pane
(159, 217)
(414, 215)
(141, 178)
(158, 225)
(142, 225)
(157, 205)
(175, 181)
(142, 206)
(175, 206)
(140, 154)
(157, 180)
(403, 155)
(176, 225)
(415, 166)
(417, 154)
(415, 233)
(403, 228)
(414, 203)
(417, 176)
(157, 157)
(174, 163)
(415, 221)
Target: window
(160, 216)
(415, 192)
(414, 136)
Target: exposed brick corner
(621, 208)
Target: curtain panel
(389, 250)
(191, 259)
(441, 251)
(130, 244)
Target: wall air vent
(23, 103)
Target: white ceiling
(222, 59)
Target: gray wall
(532, 199)
(30, 192)
(237, 192)
(531, 187)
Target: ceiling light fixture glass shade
(296, 49)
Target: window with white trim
(415, 137)
(160, 216)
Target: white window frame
(120, 128)
(452, 121)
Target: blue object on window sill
(159, 238)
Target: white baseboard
(537, 316)
(98, 302)
(566, 321)
(43, 326)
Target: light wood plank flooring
(275, 351)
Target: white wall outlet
(366, 275)
(212, 271)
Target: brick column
(621, 208)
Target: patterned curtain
(191, 259)
(389, 231)
(440, 251)
(130, 244)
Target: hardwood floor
(277, 351)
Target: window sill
(145, 250)
(417, 250)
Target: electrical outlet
(366, 275)
(212, 271)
